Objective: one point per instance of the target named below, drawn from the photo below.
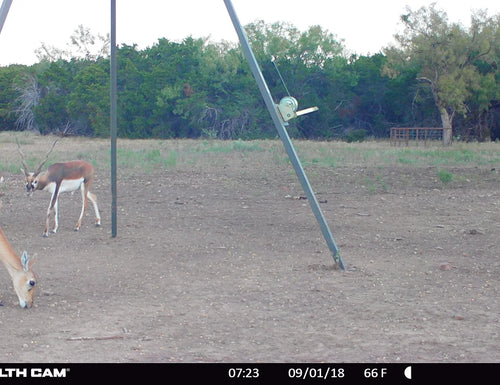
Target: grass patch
(445, 176)
(227, 146)
(377, 153)
(327, 161)
(376, 185)
(148, 160)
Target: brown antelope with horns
(19, 269)
(62, 177)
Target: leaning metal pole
(4, 10)
(264, 90)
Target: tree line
(437, 74)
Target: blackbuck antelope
(62, 177)
(19, 269)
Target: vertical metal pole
(113, 119)
(4, 12)
(264, 90)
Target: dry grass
(151, 155)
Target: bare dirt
(222, 262)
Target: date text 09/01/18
(323, 372)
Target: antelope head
(33, 177)
(20, 270)
(24, 282)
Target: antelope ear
(27, 261)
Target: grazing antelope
(19, 269)
(62, 177)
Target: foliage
(355, 136)
(445, 176)
(459, 66)
(196, 88)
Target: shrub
(356, 136)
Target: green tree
(135, 94)
(88, 103)
(181, 95)
(313, 66)
(485, 36)
(55, 81)
(10, 78)
(439, 72)
(443, 55)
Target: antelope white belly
(71, 184)
(66, 185)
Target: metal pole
(113, 119)
(264, 90)
(4, 12)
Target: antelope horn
(25, 166)
(46, 158)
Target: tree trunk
(446, 120)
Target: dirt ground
(222, 263)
